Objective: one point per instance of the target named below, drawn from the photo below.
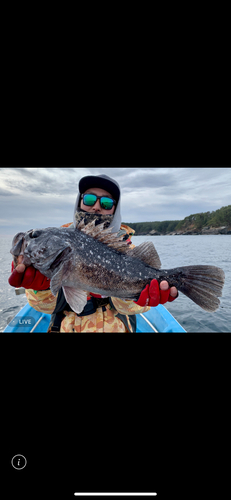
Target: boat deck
(157, 319)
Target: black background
(115, 413)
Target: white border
(115, 494)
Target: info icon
(18, 462)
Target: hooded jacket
(105, 318)
(101, 181)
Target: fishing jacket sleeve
(127, 306)
(42, 301)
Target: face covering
(89, 217)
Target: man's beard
(89, 217)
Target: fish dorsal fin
(147, 253)
(104, 235)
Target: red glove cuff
(31, 278)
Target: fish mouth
(59, 259)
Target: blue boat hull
(157, 319)
(160, 318)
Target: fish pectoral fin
(56, 281)
(76, 299)
(147, 253)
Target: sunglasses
(105, 202)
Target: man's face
(97, 207)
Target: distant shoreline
(214, 231)
(218, 222)
(180, 234)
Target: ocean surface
(174, 251)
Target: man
(98, 199)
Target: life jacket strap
(90, 308)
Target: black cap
(99, 181)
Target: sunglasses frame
(98, 198)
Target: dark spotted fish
(90, 258)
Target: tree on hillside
(220, 217)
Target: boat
(157, 319)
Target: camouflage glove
(152, 295)
(30, 278)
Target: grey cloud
(4, 192)
(42, 182)
(147, 180)
(45, 197)
(60, 180)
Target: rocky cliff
(193, 230)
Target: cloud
(41, 197)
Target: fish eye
(35, 234)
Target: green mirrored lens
(89, 199)
(106, 203)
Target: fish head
(43, 248)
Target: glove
(30, 278)
(152, 295)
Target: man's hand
(27, 277)
(153, 294)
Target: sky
(33, 198)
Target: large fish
(90, 258)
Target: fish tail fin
(202, 284)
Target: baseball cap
(100, 181)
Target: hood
(108, 184)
